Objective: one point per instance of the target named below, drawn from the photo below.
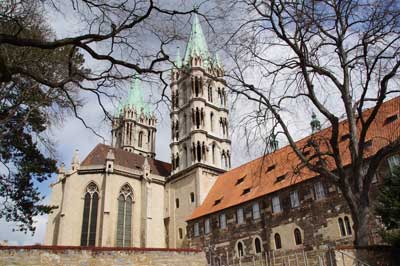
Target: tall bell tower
(200, 145)
(134, 126)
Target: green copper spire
(197, 45)
(135, 99)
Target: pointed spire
(178, 60)
(217, 61)
(136, 98)
(315, 124)
(75, 157)
(197, 45)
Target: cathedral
(258, 213)
(120, 195)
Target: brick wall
(71, 256)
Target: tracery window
(341, 227)
(124, 220)
(240, 250)
(89, 222)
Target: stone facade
(62, 256)
(322, 220)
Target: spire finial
(136, 98)
(197, 45)
(315, 123)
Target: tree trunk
(361, 228)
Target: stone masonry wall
(77, 256)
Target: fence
(320, 257)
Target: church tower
(134, 126)
(200, 146)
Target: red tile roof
(126, 159)
(263, 181)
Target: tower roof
(197, 45)
(135, 99)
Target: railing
(321, 257)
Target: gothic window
(148, 136)
(220, 96)
(240, 251)
(294, 199)
(228, 157)
(202, 117)
(348, 226)
(197, 118)
(185, 155)
(140, 140)
(278, 243)
(276, 204)
(177, 99)
(124, 220)
(172, 130)
(177, 203)
(224, 161)
(213, 153)
(196, 86)
(193, 117)
(193, 152)
(212, 121)
(198, 151)
(319, 191)
(257, 245)
(210, 96)
(256, 210)
(89, 222)
(192, 197)
(203, 151)
(177, 160)
(297, 237)
(341, 227)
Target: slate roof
(260, 175)
(126, 159)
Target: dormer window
(280, 178)
(240, 180)
(270, 168)
(391, 118)
(246, 190)
(345, 137)
(217, 201)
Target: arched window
(140, 141)
(177, 130)
(212, 121)
(124, 220)
(180, 233)
(240, 250)
(257, 245)
(348, 226)
(148, 136)
(297, 237)
(185, 156)
(184, 123)
(177, 160)
(341, 227)
(197, 86)
(210, 96)
(198, 151)
(213, 153)
(278, 243)
(197, 118)
(89, 222)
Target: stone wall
(72, 256)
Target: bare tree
(338, 57)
